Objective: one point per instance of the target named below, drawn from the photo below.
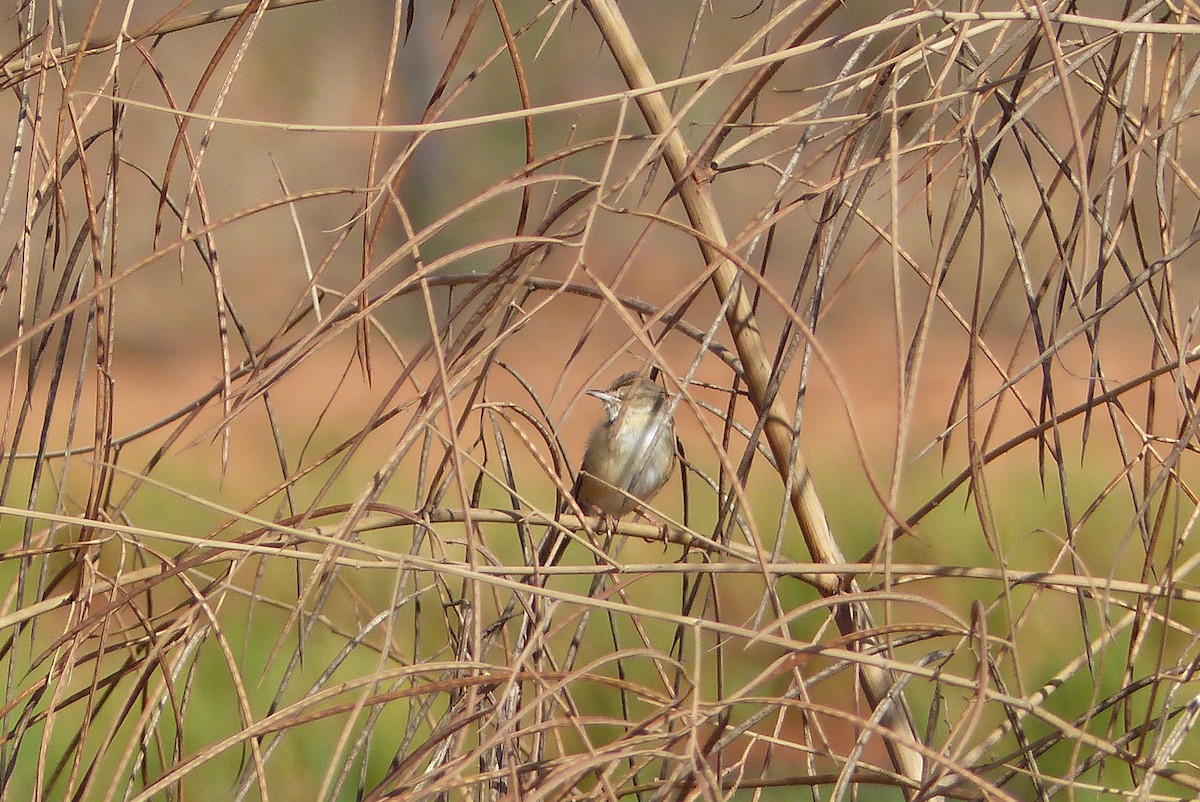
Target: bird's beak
(607, 398)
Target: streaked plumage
(631, 452)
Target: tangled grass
(299, 300)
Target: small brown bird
(631, 452)
(629, 456)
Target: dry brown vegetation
(299, 301)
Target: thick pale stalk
(810, 515)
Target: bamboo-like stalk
(852, 619)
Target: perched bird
(629, 455)
(631, 452)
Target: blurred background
(301, 296)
